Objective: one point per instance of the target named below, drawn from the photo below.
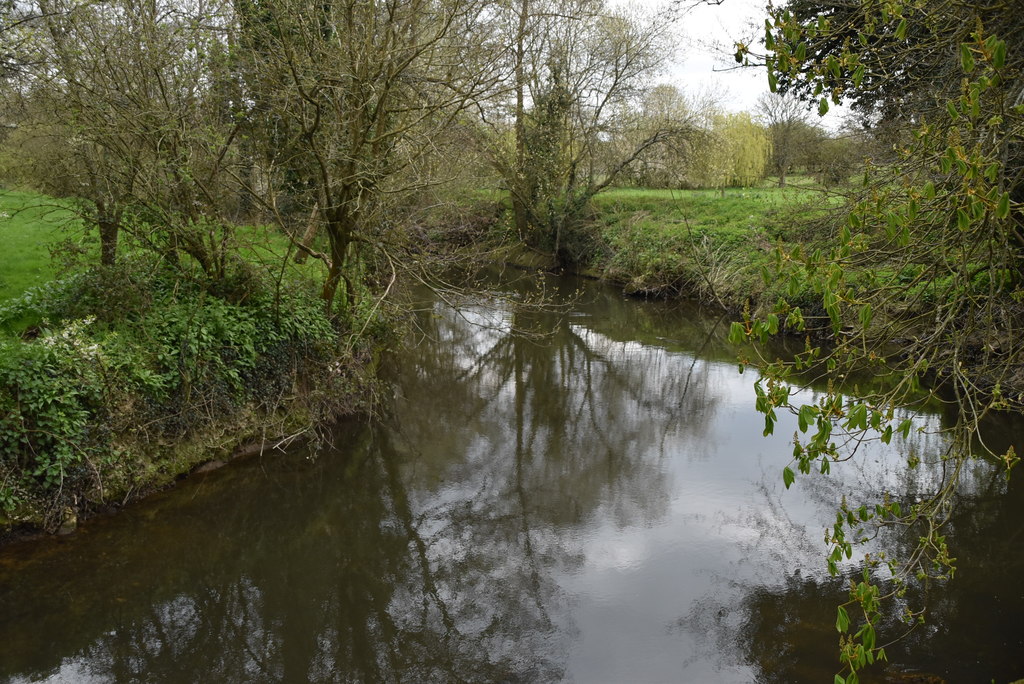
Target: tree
(889, 60)
(785, 117)
(16, 21)
(924, 282)
(665, 165)
(575, 65)
(356, 90)
(733, 153)
(121, 97)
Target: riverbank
(710, 245)
(116, 381)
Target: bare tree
(785, 117)
(126, 92)
(356, 92)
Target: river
(581, 494)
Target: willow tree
(733, 152)
(359, 89)
(924, 281)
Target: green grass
(30, 224)
(691, 241)
(735, 210)
(266, 247)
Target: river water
(579, 495)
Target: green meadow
(31, 226)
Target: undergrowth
(107, 373)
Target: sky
(703, 62)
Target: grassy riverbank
(116, 380)
(709, 244)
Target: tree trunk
(108, 241)
(520, 211)
(307, 237)
(339, 233)
(108, 224)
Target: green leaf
(966, 58)
(963, 221)
(857, 418)
(839, 680)
(901, 30)
(1003, 209)
(842, 620)
(806, 417)
(999, 55)
(865, 315)
(954, 113)
(737, 333)
(788, 476)
(822, 106)
(868, 639)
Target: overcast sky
(708, 35)
(703, 60)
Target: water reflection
(581, 495)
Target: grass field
(30, 225)
(705, 242)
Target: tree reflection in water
(581, 494)
(783, 625)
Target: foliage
(735, 154)
(86, 403)
(50, 433)
(575, 66)
(943, 222)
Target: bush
(87, 404)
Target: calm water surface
(580, 497)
